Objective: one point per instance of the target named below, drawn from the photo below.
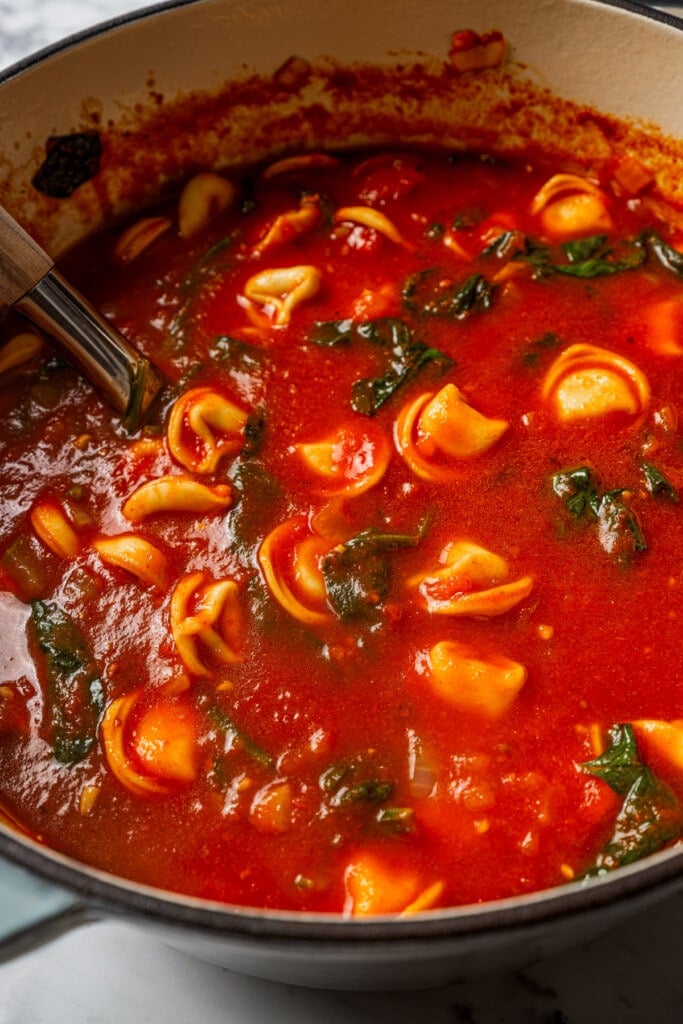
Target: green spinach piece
(225, 724)
(331, 778)
(582, 249)
(468, 217)
(201, 272)
(657, 483)
(254, 433)
(546, 342)
(406, 357)
(600, 262)
(204, 266)
(504, 246)
(239, 355)
(650, 814)
(356, 574)
(431, 293)
(329, 333)
(619, 530)
(260, 497)
(656, 247)
(578, 489)
(396, 819)
(369, 394)
(74, 687)
(369, 791)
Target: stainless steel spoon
(30, 283)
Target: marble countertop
(110, 972)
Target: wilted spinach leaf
(406, 357)
(650, 815)
(329, 333)
(546, 342)
(619, 530)
(370, 791)
(225, 724)
(370, 393)
(657, 483)
(587, 258)
(73, 685)
(357, 575)
(432, 293)
(260, 498)
(656, 247)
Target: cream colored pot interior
(234, 56)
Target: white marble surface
(108, 973)
(29, 25)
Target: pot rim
(643, 880)
(151, 10)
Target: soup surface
(381, 609)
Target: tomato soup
(380, 610)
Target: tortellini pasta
(207, 614)
(348, 461)
(203, 197)
(570, 206)
(666, 738)
(54, 529)
(162, 739)
(483, 684)
(470, 583)
(368, 217)
(279, 290)
(203, 428)
(139, 237)
(290, 558)
(289, 225)
(175, 494)
(375, 887)
(586, 382)
(137, 556)
(435, 429)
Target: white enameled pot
(122, 80)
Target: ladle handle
(22, 261)
(29, 282)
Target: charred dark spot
(70, 160)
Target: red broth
(381, 610)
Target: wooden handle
(22, 262)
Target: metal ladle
(30, 283)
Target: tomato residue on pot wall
(155, 145)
